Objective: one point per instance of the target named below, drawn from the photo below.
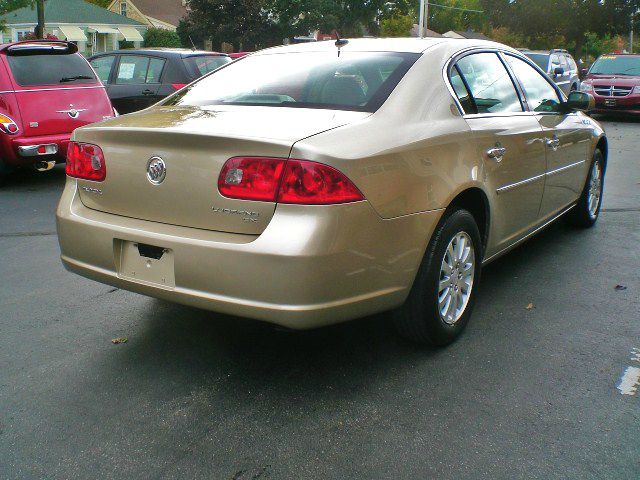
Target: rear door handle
(147, 92)
(553, 143)
(496, 153)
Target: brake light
(285, 181)
(178, 86)
(85, 161)
(8, 126)
(250, 178)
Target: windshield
(352, 81)
(616, 65)
(199, 65)
(33, 70)
(540, 59)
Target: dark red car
(47, 90)
(614, 81)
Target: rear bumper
(10, 149)
(312, 266)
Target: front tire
(442, 297)
(586, 212)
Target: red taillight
(285, 181)
(7, 125)
(316, 184)
(250, 178)
(85, 161)
(178, 86)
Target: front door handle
(496, 153)
(553, 143)
(147, 92)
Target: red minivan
(47, 89)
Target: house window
(123, 8)
(21, 34)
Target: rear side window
(37, 70)
(102, 66)
(200, 65)
(489, 83)
(136, 69)
(540, 59)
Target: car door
(507, 139)
(130, 90)
(567, 138)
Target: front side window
(199, 65)
(359, 81)
(491, 86)
(541, 96)
(102, 66)
(32, 70)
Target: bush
(160, 37)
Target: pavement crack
(26, 234)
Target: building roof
(67, 11)
(415, 31)
(168, 11)
(469, 34)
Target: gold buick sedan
(312, 184)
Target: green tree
(457, 15)
(396, 26)
(160, 37)
(100, 3)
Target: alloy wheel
(456, 278)
(595, 189)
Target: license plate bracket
(143, 263)
(610, 102)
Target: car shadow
(30, 180)
(175, 339)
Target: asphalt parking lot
(525, 393)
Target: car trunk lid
(194, 143)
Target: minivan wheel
(585, 213)
(441, 300)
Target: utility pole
(424, 18)
(40, 26)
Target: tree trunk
(40, 26)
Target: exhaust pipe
(44, 165)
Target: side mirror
(557, 71)
(580, 102)
(583, 72)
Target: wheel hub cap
(456, 278)
(595, 189)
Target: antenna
(193, 45)
(340, 42)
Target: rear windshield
(357, 81)
(540, 59)
(616, 65)
(32, 70)
(202, 64)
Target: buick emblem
(156, 170)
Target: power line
(455, 8)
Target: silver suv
(559, 65)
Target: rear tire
(442, 297)
(586, 212)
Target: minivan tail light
(8, 126)
(85, 161)
(285, 181)
(178, 86)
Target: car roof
(163, 52)
(401, 45)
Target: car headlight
(636, 90)
(586, 87)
